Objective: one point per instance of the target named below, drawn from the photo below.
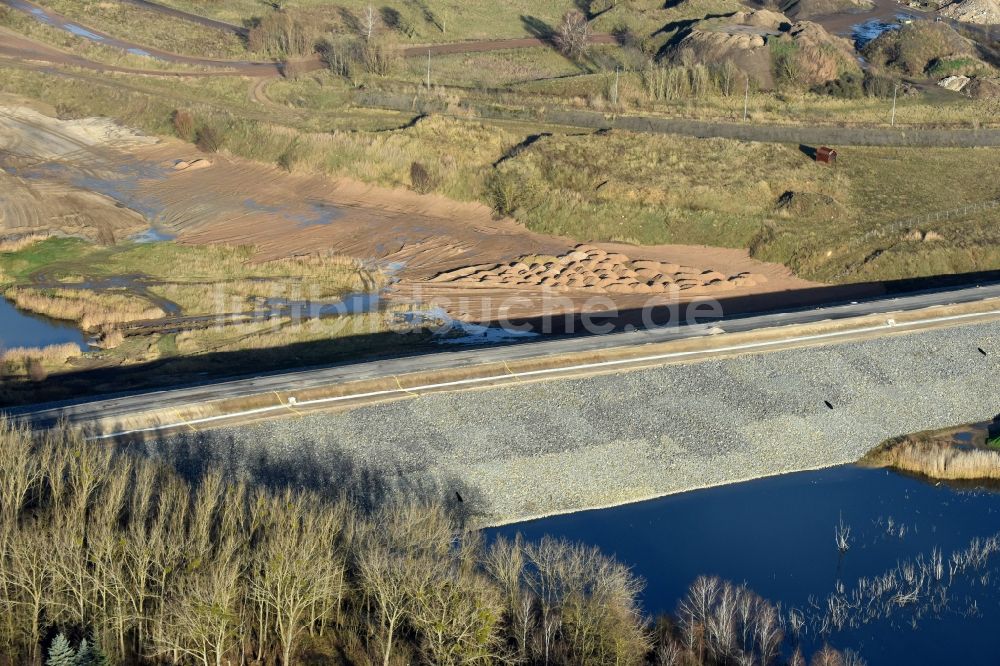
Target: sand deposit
(590, 269)
(49, 175)
(28, 133)
(986, 12)
(94, 179)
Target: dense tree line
(109, 557)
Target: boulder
(955, 83)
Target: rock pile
(985, 12)
(591, 269)
(955, 83)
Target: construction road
(542, 360)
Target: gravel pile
(535, 449)
(986, 12)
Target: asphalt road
(123, 405)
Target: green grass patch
(22, 264)
(167, 344)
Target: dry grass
(426, 21)
(661, 188)
(937, 458)
(18, 243)
(149, 28)
(89, 49)
(281, 333)
(50, 355)
(219, 279)
(90, 309)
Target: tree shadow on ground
(539, 29)
(325, 468)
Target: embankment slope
(522, 451)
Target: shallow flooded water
(21, 329)
(55, 21)
(862, 33)
(778, 536)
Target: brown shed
(826, 155)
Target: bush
(396, 21)
(877, 85)
(282, 33)
(784, 60)
(848, 86)
(421, 179)
(508, 193)
(375, 59)
(208, 139)
(184, 125)
(338, 56)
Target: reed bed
(92, 309)
(18, 243)
(937, 458)
(51, 354)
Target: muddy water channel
(885, 597)
(21, 329)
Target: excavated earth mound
(591, 269)
(745, 39)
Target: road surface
(121, 406)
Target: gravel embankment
(543, 448)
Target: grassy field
(426, 20)
(65, 41)
(430, 21)
(492, 69)
(150, 28)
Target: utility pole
(428, 69)
(892, 123)
(614, 93)
(746, 99)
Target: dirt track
(811, 135)
(186, 16)
(23, 49)
(50, 54)
(490, 45)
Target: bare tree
(202, 620)
(294, 570)
(369, 22)
(384, 578)
(573, 34)
(458, 616)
